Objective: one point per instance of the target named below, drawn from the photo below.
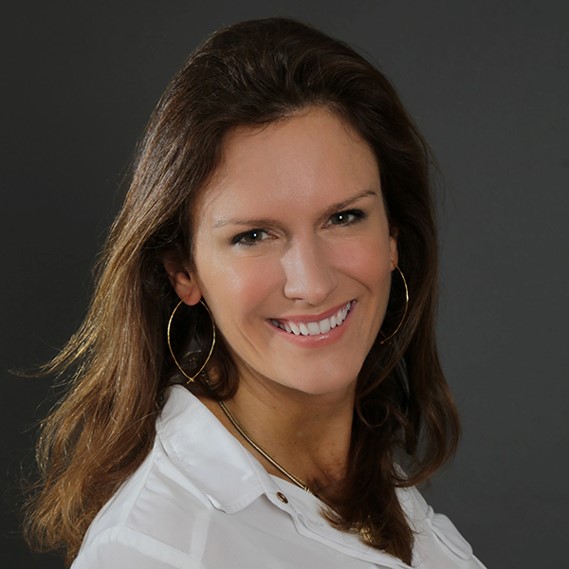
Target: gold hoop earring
(404, 310)
(190, 378)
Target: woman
(275, 258)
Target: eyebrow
(263, 222)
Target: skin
(293, 227)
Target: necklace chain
(262, 452)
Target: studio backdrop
(487, 83)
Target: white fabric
(200, 500)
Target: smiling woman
(275, 246)
(280, 193)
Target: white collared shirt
(200, 500)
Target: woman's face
(293, 252)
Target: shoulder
(436, 537)
(171, 507)
(153, 521)
(119, 547)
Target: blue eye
(249, 238)
(347, 217)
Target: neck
(308, 435)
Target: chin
(321, 384)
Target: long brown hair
(251, 73)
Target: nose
(309, 273)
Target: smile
(315, 328)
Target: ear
(393, 252)
(185, 285)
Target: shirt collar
(203, 449)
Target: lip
(315, 317)
(317, 340)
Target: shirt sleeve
(121, 547)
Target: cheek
(368, 261)
(237, 289)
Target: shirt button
(282, 497)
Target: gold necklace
(263, 453)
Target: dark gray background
(488, 82)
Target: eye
(250, 238)
(347, 217)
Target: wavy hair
(251, 73)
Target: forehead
(312, 156)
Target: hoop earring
(190, 378)
(404, 310)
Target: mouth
(316, 327)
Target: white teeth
(324, 326)
(314, 328)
